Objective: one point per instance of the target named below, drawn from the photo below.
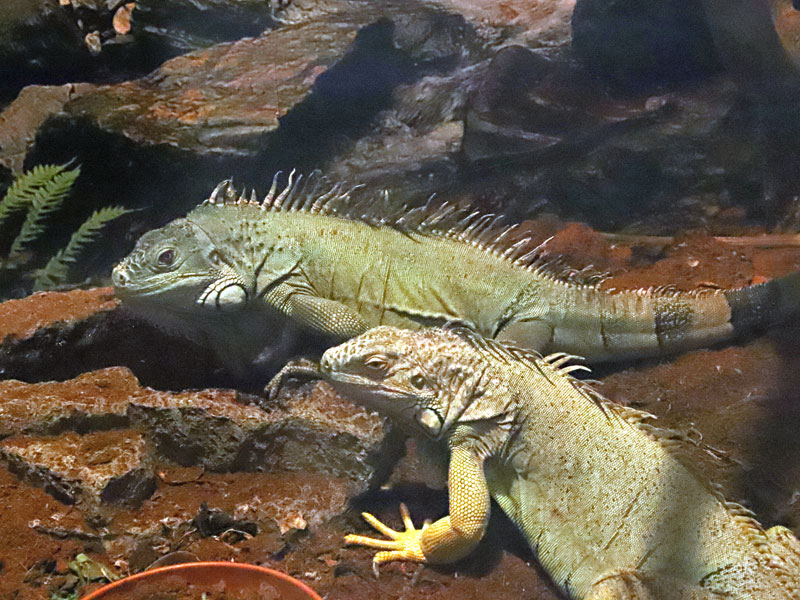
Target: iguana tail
(764, 304)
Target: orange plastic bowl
(234, 580)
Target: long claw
(409, 524)
(364, 540)
(376, 524)
(388, 556)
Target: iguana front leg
(448, 539)
(302, 370)
(323, 315)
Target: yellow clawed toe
(401, 545)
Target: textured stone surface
(20, 319)
(532, 22)
(20, 121)
(92, 470)
(58, 335)
(315, 431)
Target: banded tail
(764, 304)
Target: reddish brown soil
(741, 399)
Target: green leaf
(46, 199)
(21, 193)
(56, 271)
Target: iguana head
(425, 380)
(171, 267)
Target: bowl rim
(225, 564)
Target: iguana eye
(214, 258)
(418, 381)
(166, 258)
(377, 364)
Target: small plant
(40, 193)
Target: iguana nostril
(325, 363)
(118, 276)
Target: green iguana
(234, 267)
(599, 494)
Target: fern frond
(55, 271)
(47, 199)
(20, 195)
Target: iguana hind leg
(534, 334)
(630, 585)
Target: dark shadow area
(162, 182)
(637, 46)
(771, 479)
(346, 99)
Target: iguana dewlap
(233, 268)
(599, 494)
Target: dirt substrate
(129, 476)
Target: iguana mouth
(366, 387)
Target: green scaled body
(234, 267)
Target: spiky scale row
(483, 231)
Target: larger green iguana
(226, 271)
(599, 494)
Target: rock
(636, 44)
(20, 121)
(94, 401)
(206, 115)
(58, 335)
(39, 43)
(505, 116)
(50, 42)
(316, 431)
(757, 43)
(20, 319)
(548, 134)
(92, 470)
(529, 22)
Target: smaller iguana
(600, 495)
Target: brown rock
(96, 400)
(532, 22)
(224, 99)
(20, 121)
(58, 335)
(22, 318)
(316, 431)
(110, 467)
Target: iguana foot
(303, 369)
(401, 545)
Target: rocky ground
(133, 448)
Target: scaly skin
(233, 269)
(600, 495)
